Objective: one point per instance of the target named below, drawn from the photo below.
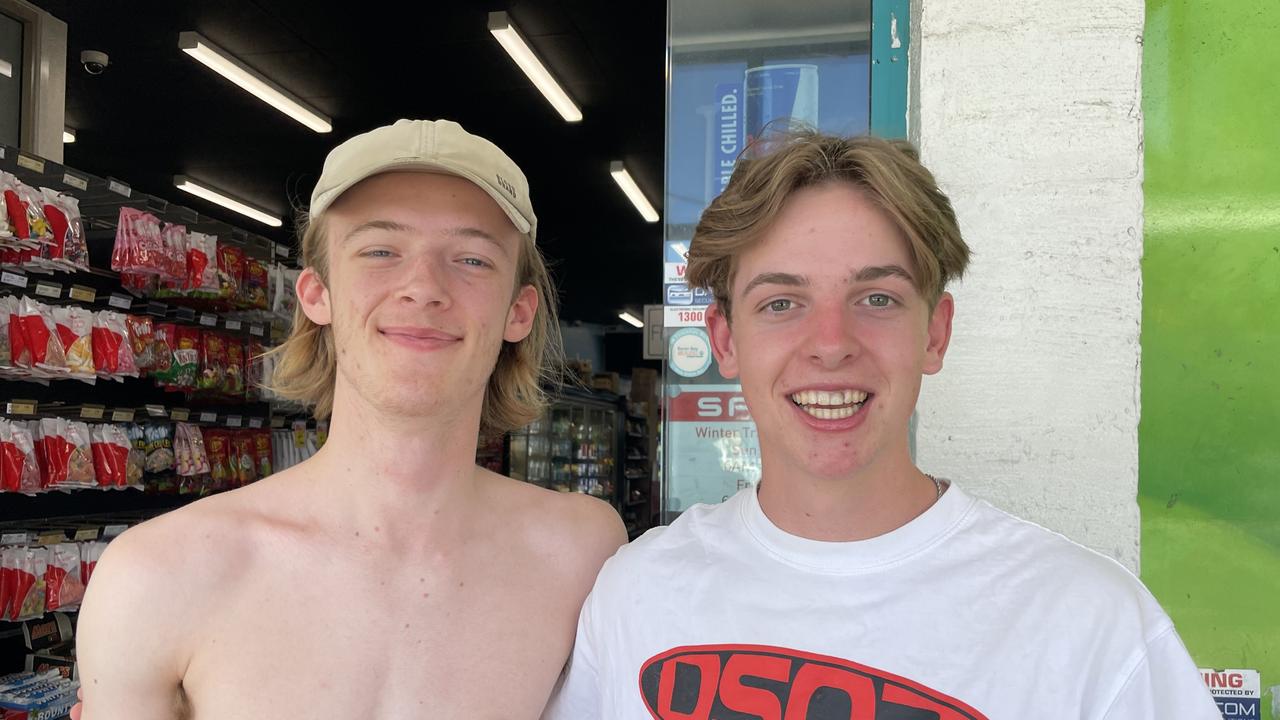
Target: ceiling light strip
(632, 191)
(511, 40)
(186, 184)
(218, 60)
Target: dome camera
(94, 61)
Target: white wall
(1029, 113)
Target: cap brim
(329, 196)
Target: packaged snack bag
(38, 326)
(75, 330)
(160, 448)
(162, 346)
(254, 371)
(29, 588)
(256, 284)
(221, 472)
(139, 246)
(21, 471)
(111, 448)
(33, 202)
(243, 461)
(234, 381)
(230, 271)
(184, 366)
(80, 472)
(142, 340)
(90, 553)
(113, 349)
(213, 365)
(8, 307)
(202, 266)
(174, 240)
(262, 451)
(68, 248)
(135, 465)
(63, 587)
(189, 449)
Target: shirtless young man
(388, 576)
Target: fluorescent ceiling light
(217, 59)
(68, 135)
(623, 178)
(509, 37)
(188, 185)
(6, 68)
(631, 319)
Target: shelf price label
(21, 407)
(9, 278)
(233, 324)
(119, 188)
(120, 302)
(208, 320)
(30, 163)
(156, 411)
(208, 417)
(92, 412)
(78, 183)
(48, 289)
(82, 293)
(122, 415)
(179, 414)
(255, 423)
(255, 330)
(233, 421)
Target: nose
(424, 282)
(832, 338)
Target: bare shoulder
(560, 520)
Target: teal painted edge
(890, 33)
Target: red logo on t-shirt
(758, 682)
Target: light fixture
(186, 184)
(631, 319)
(623, 178)
(6, 68)
(509, 37)
(217, 59)
(68, 135)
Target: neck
(877, 499)
(388, 472)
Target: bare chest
(383, 640)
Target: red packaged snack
(14, 354)
(67, 454)
(112, 353)
(262, 451)
(8, 570)
(213, 362)
(243, 461)
(90, 553)
(257, 281)
(142, 340)
(21, 471)
(75, 330)
(63, 587)
(14, 207)
(28, 583)
(162, 340)
(184, 362)
(173, 270)
(111, 449)
(68, 248)
(202, 266)
(218, 444)
(230, 271)
(139, 247)
(42, 338)
(254, 370)
(234, 384)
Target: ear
(722, 341)
(520, 316)
(939, 333)
(313, 297)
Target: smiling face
(421, 292)
(830, 335)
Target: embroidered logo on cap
(502, 182)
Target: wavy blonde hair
(306, 364)
(888, 172)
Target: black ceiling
(156, 112)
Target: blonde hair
(306, 364)
(888, 172)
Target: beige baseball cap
(430, 146)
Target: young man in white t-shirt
(850, 584)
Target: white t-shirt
(965, 612)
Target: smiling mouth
(830, 404)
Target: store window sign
(714, 445)
(1237, 692)
(679, 294)
(675, 262)
(729, 131)
(690, 352)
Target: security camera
(94, 61)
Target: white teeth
(828, 398)
(831, 413)
(848, 396)
(824, 398)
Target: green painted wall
(1210, 433)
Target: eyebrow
(866, 274)
(461, 231)
(879, 272)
